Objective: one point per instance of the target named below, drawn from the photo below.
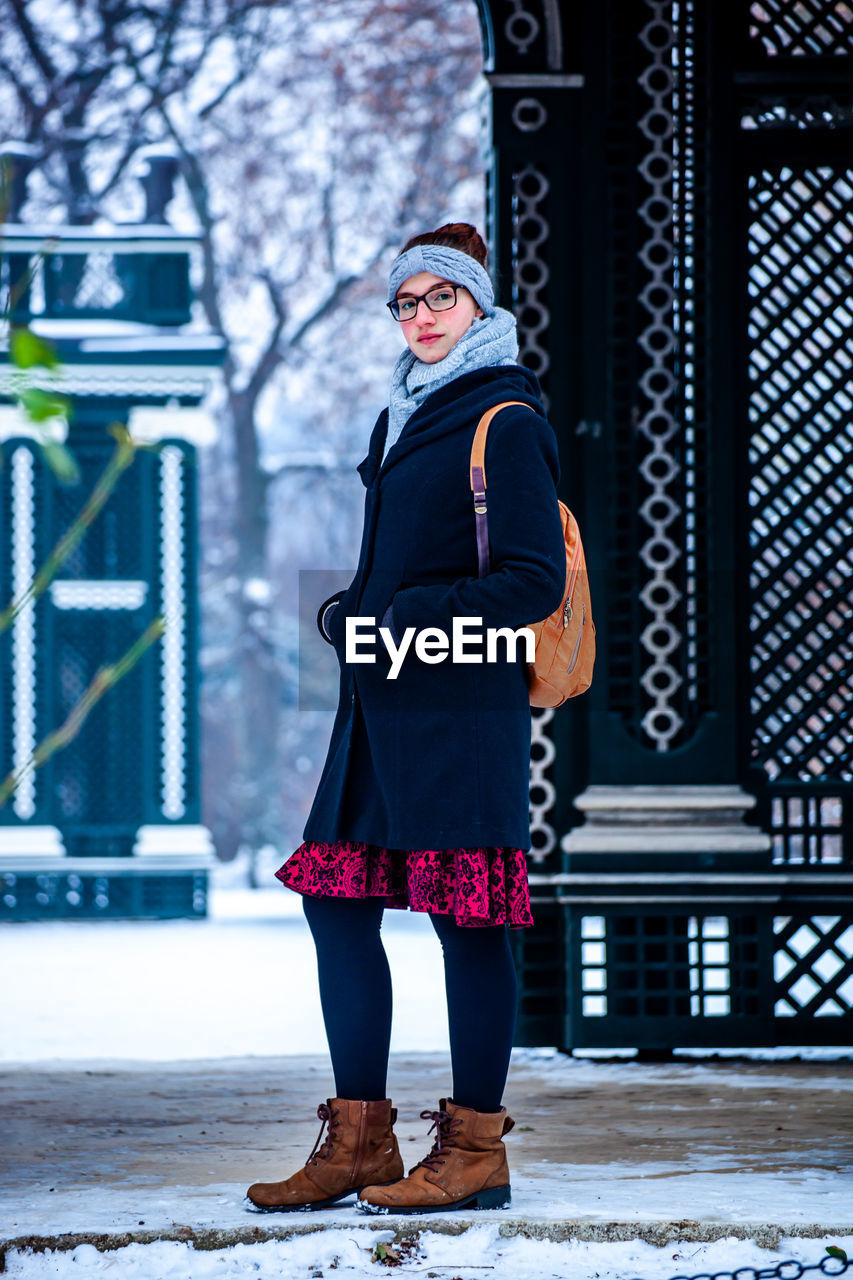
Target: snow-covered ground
(480, 1250)
(243, 982)
(125, 990)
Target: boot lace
(328, 1115)
(446, 1127)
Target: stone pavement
(602, 1149)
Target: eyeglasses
(441, 297)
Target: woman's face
(431, 334)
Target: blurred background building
(110, 825)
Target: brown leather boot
(466, 1169)
(360, 1148)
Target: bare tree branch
(27, 101)
(39, 54)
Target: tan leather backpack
(565, 641)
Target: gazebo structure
(671, 203)
(110, 825)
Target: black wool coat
(439, 758)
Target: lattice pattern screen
(668, 966)
(538, 959)
(771, 108)
(676, 966)
(99, 779)
(100, 605)
(812, 830)
(813, 966)
(801, 27)
(801, 461)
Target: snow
(352, 1252)
(95, 989)
(121, 989)
(104, 327)
(172, 342)
(126, 234)
(185, 1177)
(106, 1000)
(568, 1201)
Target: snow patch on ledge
(351, 1251)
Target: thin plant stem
(103, 679)
(25, 280)
(121, 459)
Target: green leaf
(385, 1253)
(834, 1252)
(40, 405)
(29, 351)
(61, 462)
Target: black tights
(355, 992)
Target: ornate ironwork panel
(796, 116)
(813, 960)
(804, 109)
(811, 828)
(527, 35)
(659, 976)
(177, 782)
(24, 706)
(531, 271)
(148, 286)
(96, 786)
(660, 632)
(801, 470)
(101, 602)
(83, 282)
(138, 559)
(538, 956)
(801, 28)
(74, 895)
(668, 965)
(543, 837)
(725, 538)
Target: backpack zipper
(570, 668)
(573, 577)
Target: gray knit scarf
(490, 341)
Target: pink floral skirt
(476, 886)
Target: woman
(423, 800)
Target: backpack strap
(477, 480)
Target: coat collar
(368, 468)
(458, 404)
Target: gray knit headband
(452, 264)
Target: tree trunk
(259, 676)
